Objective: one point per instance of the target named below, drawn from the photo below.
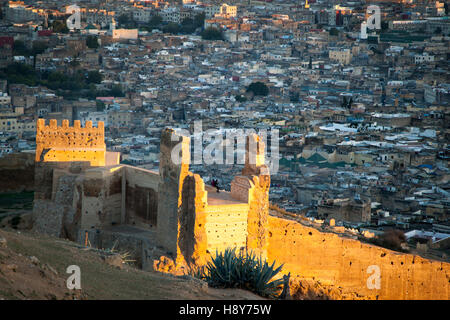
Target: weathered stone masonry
(343, 262)
(171, 220)
(65, 143)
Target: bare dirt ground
(34, 267)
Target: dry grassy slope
(20, 278)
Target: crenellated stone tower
(70, 144)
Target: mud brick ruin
(82, 189)
(170, 220)
(66, 143)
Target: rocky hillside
(34, 267)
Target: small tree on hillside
(155, 21)
(92, 42)
(258, 89)
(212, 33)
(392, 239)
(334, 32)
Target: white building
(142, 15)
(171, 14)
(4, 99)
(95, 117)
(224, 10)
(343, 56)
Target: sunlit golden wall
(338, 261)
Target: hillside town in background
(363, 122)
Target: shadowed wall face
(141, 206)
(17, 172)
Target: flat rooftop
(220, 198)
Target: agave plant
(244, 270)
(263, 274)
(197, 272)
(220, 269)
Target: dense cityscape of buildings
(363, 124)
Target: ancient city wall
(57, 202)
(343, 262)
(74, 196)
(17, 172)
(170, 189)
(192, 239)
(226, 226)
(141, 197)
(65, 143)
(100, 194)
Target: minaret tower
(112, 25)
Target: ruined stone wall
(226, 227)
(17, 172)
(258, 213)
(66, 143)
(141, 197)
(253, 188)
(55, 206)
(343, 262)
(347, 211)
(172, 176)
(100, 193)
(71, 197)
(192, 239)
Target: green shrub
(212, 33)
(258, 88)
(244, 270)
(15, 222)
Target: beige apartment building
(343, 56)
(10, 121)
(224, 11)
